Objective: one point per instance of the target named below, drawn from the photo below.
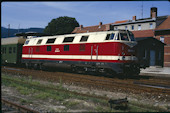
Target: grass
(70, 104)
(47, 93)
(24, 101)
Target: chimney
(81, 26)
(153, 15)
(153, 12)
(134, 18)
(100, 24)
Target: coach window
(14, 49)
(4, 50)
(82, 47)
(66, 47)
(52, 40)
(10, 50)
(124, 36)
(48, 48)
(39, 41)
(68, 39)
(84, 38)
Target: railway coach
(106, 51)
(11, 50)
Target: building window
(125, 27)
(68, 39)
(14, 49)
(150, 25)
(50, 40)
(66, 47)
(115, 28)
(162, 39)
(10, 49)
(139, 27)
(48, 48)
(84, 38)
(82, 47)
(39, 41)
(132, 27)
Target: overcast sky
(39, 14)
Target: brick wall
(166, 49)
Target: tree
(61, 25)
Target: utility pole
(8, 30)
(142, 10)
(18, 28)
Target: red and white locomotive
(96, 51)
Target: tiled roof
(143, 33)
(96, 28)
(123, 21)
(164, 25)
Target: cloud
(64, 6)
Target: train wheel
(41, 67)
(73, 68)
(28, 65)
(35, 66)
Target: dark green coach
(11, 50)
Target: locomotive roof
(93, 37)
(12, 40)
(77, 34)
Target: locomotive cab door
(94, 52)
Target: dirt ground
(11, 93)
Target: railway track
(11, 107)
(137, 86)
(42, 87)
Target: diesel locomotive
(105, 51)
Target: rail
(18, 107)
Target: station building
(152, 34)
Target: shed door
(152, 57)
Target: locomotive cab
(128, 44)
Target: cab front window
(124, 36)
(131, 37)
